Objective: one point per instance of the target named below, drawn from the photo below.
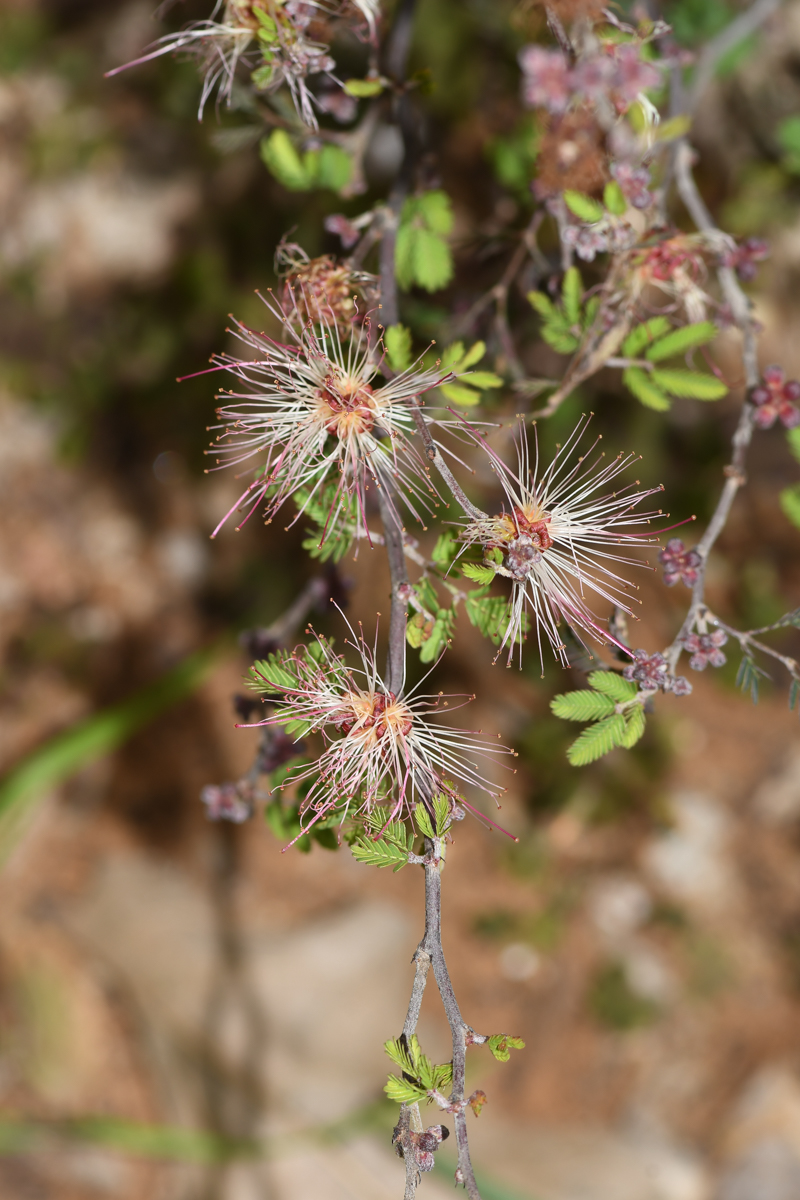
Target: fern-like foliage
(653, 342)
(612, 705)
(563, 325)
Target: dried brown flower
(571, 155)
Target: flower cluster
(744, 259)
(319, 289)
(705, 648)
(609, 233)
(228, 801)
(651, 672)
(634, 183)
(274, 38)
(616, 71)
(679, 563)
(380, 748)
(312, 409)
(776, 399)
(558, 539)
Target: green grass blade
(88, 740)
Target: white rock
(691, 861)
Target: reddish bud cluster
(228, 801)
(634, 183)
(617, 71)
(651, 672)
(679, 563)
(705, 648)
(673, 255)
(743, 259)
(775, 398)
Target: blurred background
(185, 1012)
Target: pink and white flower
(313, 410)
(560, 537)
(380, 748)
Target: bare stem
(434, 455)
(740, 307)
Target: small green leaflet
(330, 167)
(390, 849)
(491, 615)
(445, 550)
(748, 677)
(501, 1045)
(583, 206)
(422, 256)
(270, 675)
(563, 325)
(680, 341)
(695, 385)
(440, 635)
(597, 740)
(456, 359)
(335, 514)
(582, 706)
(793, 438)
(379, 854)
(644, 335)
(478, 573)
(614, 198)
(572, 294)
(611, 728)
(639, 382)
(420, 1075)
(794, 695)
(441, 813)
(397, 340)
(402, 1092)
(364, 87)
(611, 684)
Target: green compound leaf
(635, 721)
(404, 256)
(644, 335)
(479, 574)
(460, 394)
(441, 809)
(483, 380)
(282, 160)
(379, 854)
(270, 673)
(490, 615)
(543, 305)
(473, 355)
(790, 503)
(748, 677)
(363, 87)
(611, 684)
(794, 695)
(793, 438)
(582, 706)
(334, 168)
(432, 260)
(695, 385)
(426, 594)
(423, 820)
(445, 549)
(597, 740)
(397, 340)
(639, 382)
(682, 340)
(441, 634)
(614, 198)
(402, 1092)
(501, 1045)
(583, 206)
(572, 294)
(418, 630)
(436, 211)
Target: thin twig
(741, 27)
(434, 455)
(740, 308)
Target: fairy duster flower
(560, 537)
(380, 748)
(314, 408)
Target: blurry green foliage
(90, 739)
(23, 34)
(614, 1004)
